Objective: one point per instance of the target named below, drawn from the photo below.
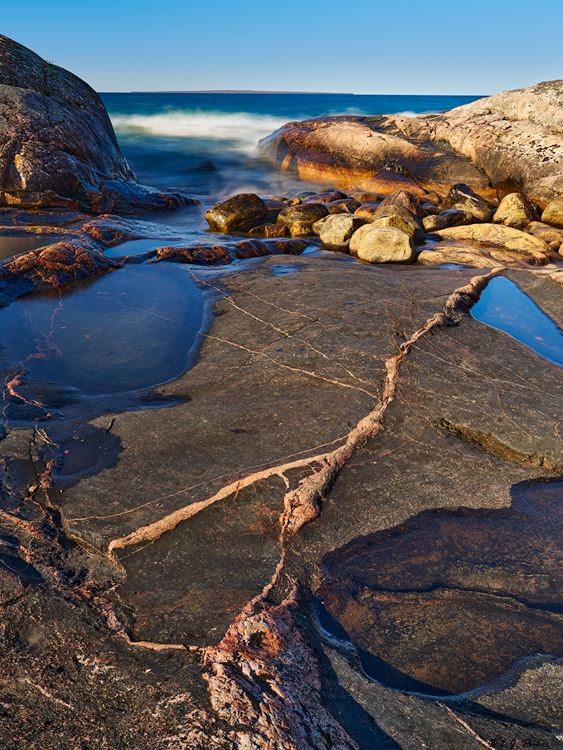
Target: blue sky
(362, 47)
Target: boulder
(544, 232)
(382, 245)
(337, 229)
(300, 219)
(515, 211)
(416, 230)
(351, 151)
(57, 144)
(494, 234)
(399, 223)
(509, 142)
(406, 200)
(239, 213)
(553, 214)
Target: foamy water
(238, 130)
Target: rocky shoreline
(339, 528)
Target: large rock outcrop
(509, 142)
(57, 144)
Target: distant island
(244, 91)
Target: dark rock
(239, 213)
(57, 145)
(202, 166)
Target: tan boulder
(433, 223)
(461, 255)
(494, 234)
(515, 211)
(416, 230)
(553, 214)
(336, 230)
(544, 232)
(382, 245)
(398, 222)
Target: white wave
(242, 129)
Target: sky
(361, 47)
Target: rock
(347, 204)
(237, 214)
(509, 142)
(51, 267)
(416, 230)
(465, 198)
(456, 217)
(364, 197)
(382, 245)
(495, 234)
(461, 255)
(325, 197)
(515, 211)
(58, 147)
(544, 232)
(432, 198)
(202, 166)
(215, 254)
(300, 219)
(271, 230)
(334, 209)
(406, 200)
(431, 223)
(354, 151)
(366, 211)
(335, 230)
(399, 223)
(553, 214)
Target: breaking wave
(240, 130)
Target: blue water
(504, 305)
(162, 135)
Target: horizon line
(256, 91)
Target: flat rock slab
(180, 535)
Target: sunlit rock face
(57, 145)
(509, 142)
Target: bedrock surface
(331, 401)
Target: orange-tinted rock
(350, 152)
(406, 200)
(216, 254)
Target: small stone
(455, 217)
(382, 245)
(366, 211)
(366, 197)
(544, 232)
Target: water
(504, 305)
(10, 246)
(163, 135)
(127, 330)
